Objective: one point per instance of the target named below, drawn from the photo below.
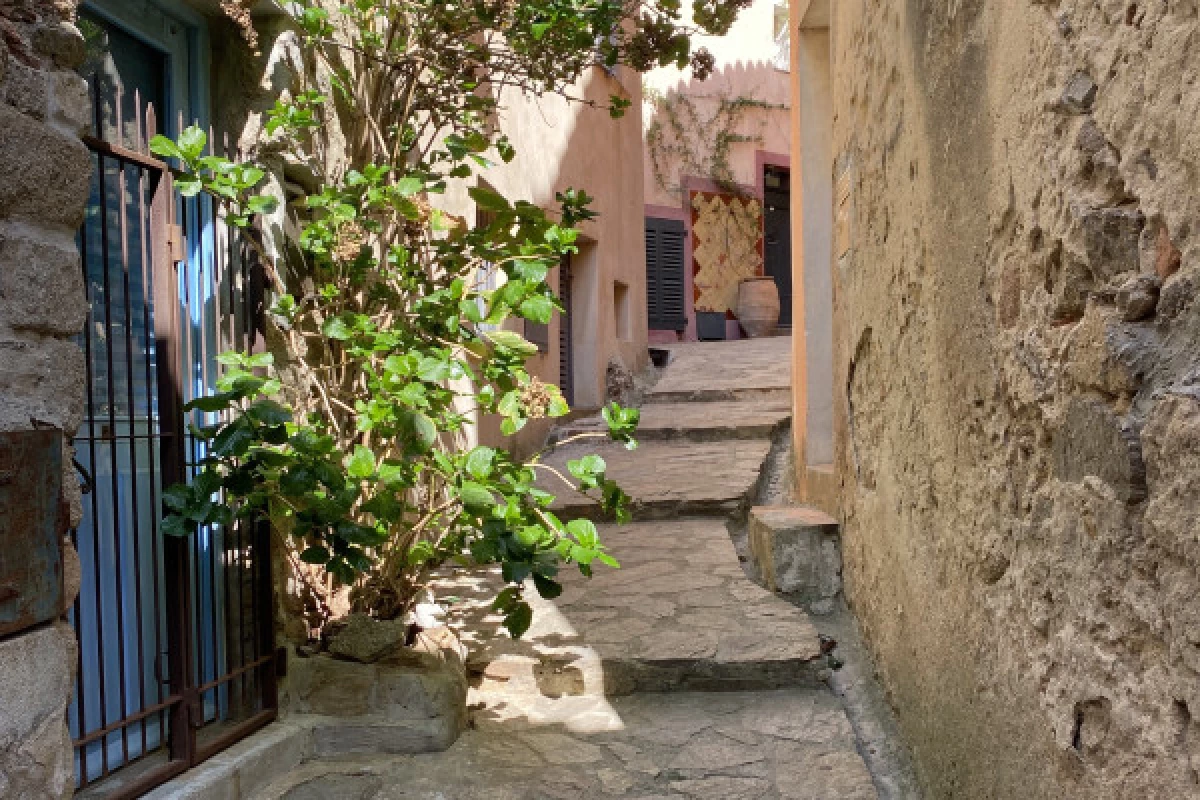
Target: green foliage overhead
(392, 320)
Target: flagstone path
(675, 676)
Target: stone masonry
(1017, 385)
(44, 176)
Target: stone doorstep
(413, 701)
(797, 551)
(246, 767)
(251, 765)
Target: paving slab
(777, 745)
(666, 479)
(679, 614)
(742, 369)
(697, 421)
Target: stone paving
(678, 614)
(787, 744)
(743, 369)
(672, 677)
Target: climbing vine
(696, 143)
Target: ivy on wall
(684, 140)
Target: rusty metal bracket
(33, 521)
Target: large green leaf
(476, 497)
(361, 463)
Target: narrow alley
(674, 676)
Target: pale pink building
(716, 173)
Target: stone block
(323, 685)
(341, 738)
(35, 746)
(44, 173)
(366, 640)
(62, 42)
(1093, 440)
(43, 379)
(417, 698)
(41, 285)
(798, 552)
(70, 107)
(244, 769)
(25, 89)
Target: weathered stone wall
(1018, 385)
(44, 174)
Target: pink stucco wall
(745, 67)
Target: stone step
(718, 395)
(746, 369)
(680, 614)
(775, 745)
(666, 478)
(695, 422)
(797, 552)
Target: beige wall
(812, 244)
(564, 145)
(1017, 421)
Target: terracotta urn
(758, 306)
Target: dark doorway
(777, 236)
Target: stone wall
(44, 174)
(1017, 384)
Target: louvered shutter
(665, 305)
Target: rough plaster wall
(44, 174)
(1019, 412)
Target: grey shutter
(665, 285)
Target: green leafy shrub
(349, 437)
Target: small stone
(1138, 298)
(1090, 139)
(1079, 94)
(366, 640)
(1167, 257)
(1111, 238)
(726, 788)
